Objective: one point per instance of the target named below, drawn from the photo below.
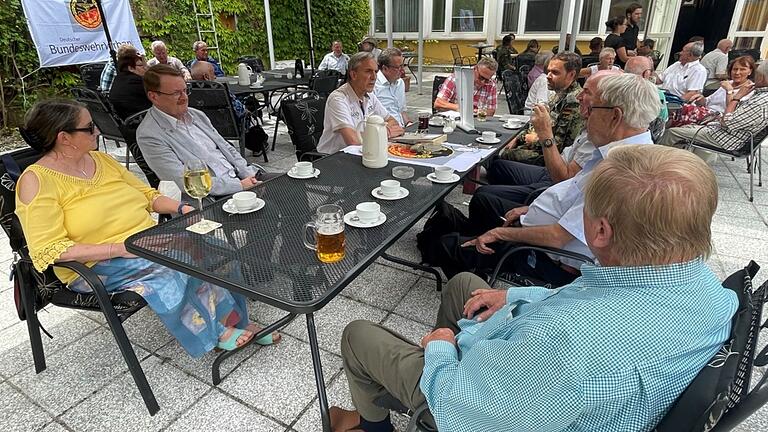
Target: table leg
(322, 398)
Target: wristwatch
(546, 142)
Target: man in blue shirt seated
(610, 351)
(201, 54)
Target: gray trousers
(379, 361)
(685, 133)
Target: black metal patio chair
(91, 75)
(295, 95)
(460, 60)
(304, 119)
(213, 98)
(514, 91)
(436, 84)
(103, 115)
(129, 127)
(36, 289)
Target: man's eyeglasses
(395, 67)
(177, 94)
(90, 128)
(594, 107)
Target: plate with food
(419, 151)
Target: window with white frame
(590, 17)
(404, 16)
(752, 25)
(510, 16)
(467, 16)
(544, 16)
(438, 15)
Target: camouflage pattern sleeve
(567, 122)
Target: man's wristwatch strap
(546, 142)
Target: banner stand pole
(104, 25)
(24, 87)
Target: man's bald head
(639, 65)
(725, 45)
(202, 71)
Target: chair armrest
(534, 194)
(559, 252)
(88, 275)
(311, 156)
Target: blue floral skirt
(195, 312)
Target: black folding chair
(91, 75)
(326, 83)
(129, 132)
(213, 98)
(304, 119)
(751, 150)
(104, 116)
(295, 95)
(39, 289)
(436, 84)
(514, 91)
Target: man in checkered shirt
(611, 351)
(745, 114)
(484, 93)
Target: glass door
(749, 25)
(660, 27)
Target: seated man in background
(172, 133)
(335, 60)
(611, 351)
(504, 53)
(368, 44)
(390, 88)
(485, 89)
(562, 72)
(716, 61)
(741, 118)
(201, 54)
(109, 72)
(127, 93)
(686, 77)
(619, 113)
(203, 71)
(349, 105)
(538, 91)
(161, 57)
(643, 66)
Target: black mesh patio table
(266, 247)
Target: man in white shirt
(716, 61)
(161, 57)
(618, 113)
(687, 76)
(335, 60)
(349, 105)
(390, 88)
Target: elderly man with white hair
(606, 59)
(160, 50)
(716, 61)
(686, 77)
(619, 110)
(611, 351)
(740, 119)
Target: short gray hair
(358, 58)
(543, 57)
(197, 44)
(607, 51)
(697, 49)
(157, 44)
(762, 69)
(385, 58)
(489, 63)
(637, 98)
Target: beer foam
(330, 229)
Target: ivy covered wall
(241, 29)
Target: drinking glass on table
(482, 111)
(197, 183)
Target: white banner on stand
(68, 32)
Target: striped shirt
(609, 352)
(749, 116)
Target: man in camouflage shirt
(567, 122)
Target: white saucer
(482, 141)
(516, 126)
(230, 208)
(435, 123)
(292, 174)
(402, 193)
(352, 220)
(254, 86)
(454, 178)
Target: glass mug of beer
(328, 228)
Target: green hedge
(173, 21)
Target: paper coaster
(203, 227)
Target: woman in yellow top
(78, 204)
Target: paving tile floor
(87, 387)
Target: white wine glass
(197, 183)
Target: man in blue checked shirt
(609, 352)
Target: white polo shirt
(391, 95)
(680, 78)
(715, 62)
(330, 61)
(345, 110)
(563, 203)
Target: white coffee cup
(489, 136)
(245, 200)
(390, 188)
(303, 168)
(444, 172)
(289, 75)
(368, 211)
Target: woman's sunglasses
(90, 128)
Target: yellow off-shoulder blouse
(67, 210)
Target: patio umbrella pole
(104, 25)
(270, 44)
(576, 27)
(564, 25)
(309, 35)
(421, 43)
